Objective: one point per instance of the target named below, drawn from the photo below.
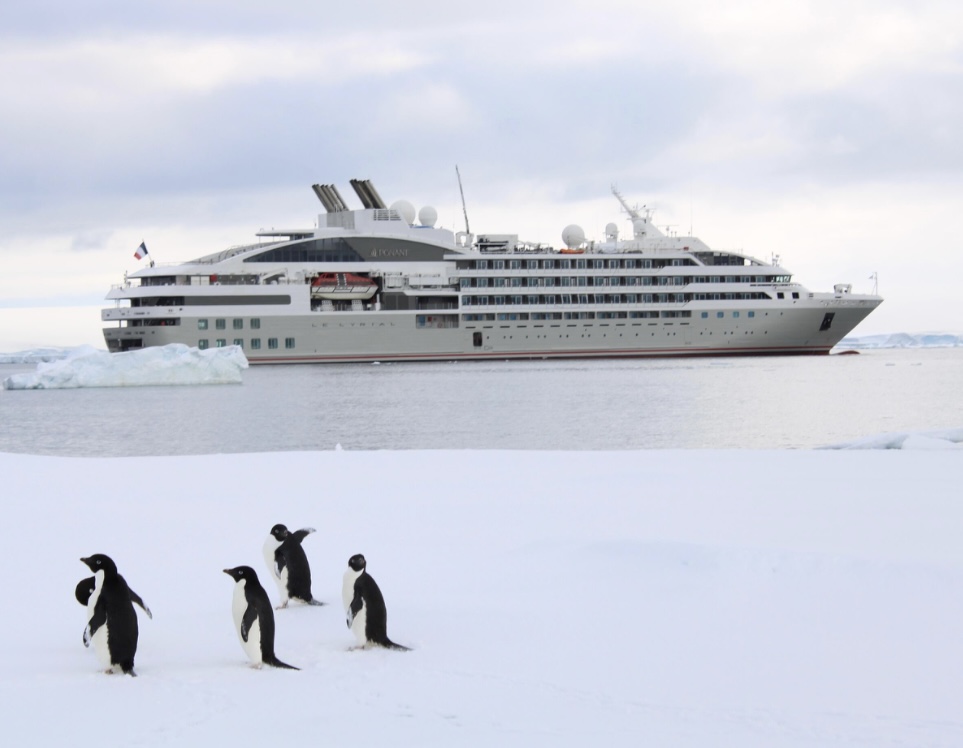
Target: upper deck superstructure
(419, 292)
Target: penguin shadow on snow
(364, 607)
(254, 618)
(111, 618)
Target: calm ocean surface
(791, 402)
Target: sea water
(716, 403)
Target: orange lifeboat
(343, 287)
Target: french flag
(141, 252)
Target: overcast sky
(828, 133)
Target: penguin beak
(227, 571)
(86, 561)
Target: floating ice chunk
(163, 365)
(946, 439)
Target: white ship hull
(435, 300)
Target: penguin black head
(239, 573)
(84, 589)
(357, 562)
(100, 562)
(280, 532)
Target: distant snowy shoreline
(902, 340)
(860, 342)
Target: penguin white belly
(359, 626)
(252, 647)
(283, 585)
(99, 641)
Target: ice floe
(164, 365)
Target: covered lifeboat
(343, 287)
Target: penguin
(85, 588)
(288, 564)
(112, 621)
(364, 606)
(253, 618)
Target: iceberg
(174, 364)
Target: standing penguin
(364, 606)
(112, 621)
(253, 617)
(289, 565)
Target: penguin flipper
(98, 619)
(279, 561)
(250, 616)
(137, 599)
(356, 605)
(301, 534)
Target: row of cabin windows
(522, 317)
(720, 315)
(272, 343)
(236, 324)
(615, 298)
(580, 263)
(614, 280)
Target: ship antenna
(463, 208)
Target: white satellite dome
(611, 232)
(573, 236)
(427, 216)
(404, 209)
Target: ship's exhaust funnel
(330, 198)
(368, 194)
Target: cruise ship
(382, 284)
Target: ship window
(720, 314)
(780, 295)
(514, 264)
(255, 344)
(255, 323)
(705, 315)
(202, 344)
(735, 314)
(795, 295)
(220, 342)
(239, 342)
(466, 283)
(202, 324)
(289, 342)
(238, 324)
(499, 264)
(752, 314)
(272, 342)
(220, 324)
(476, 339)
